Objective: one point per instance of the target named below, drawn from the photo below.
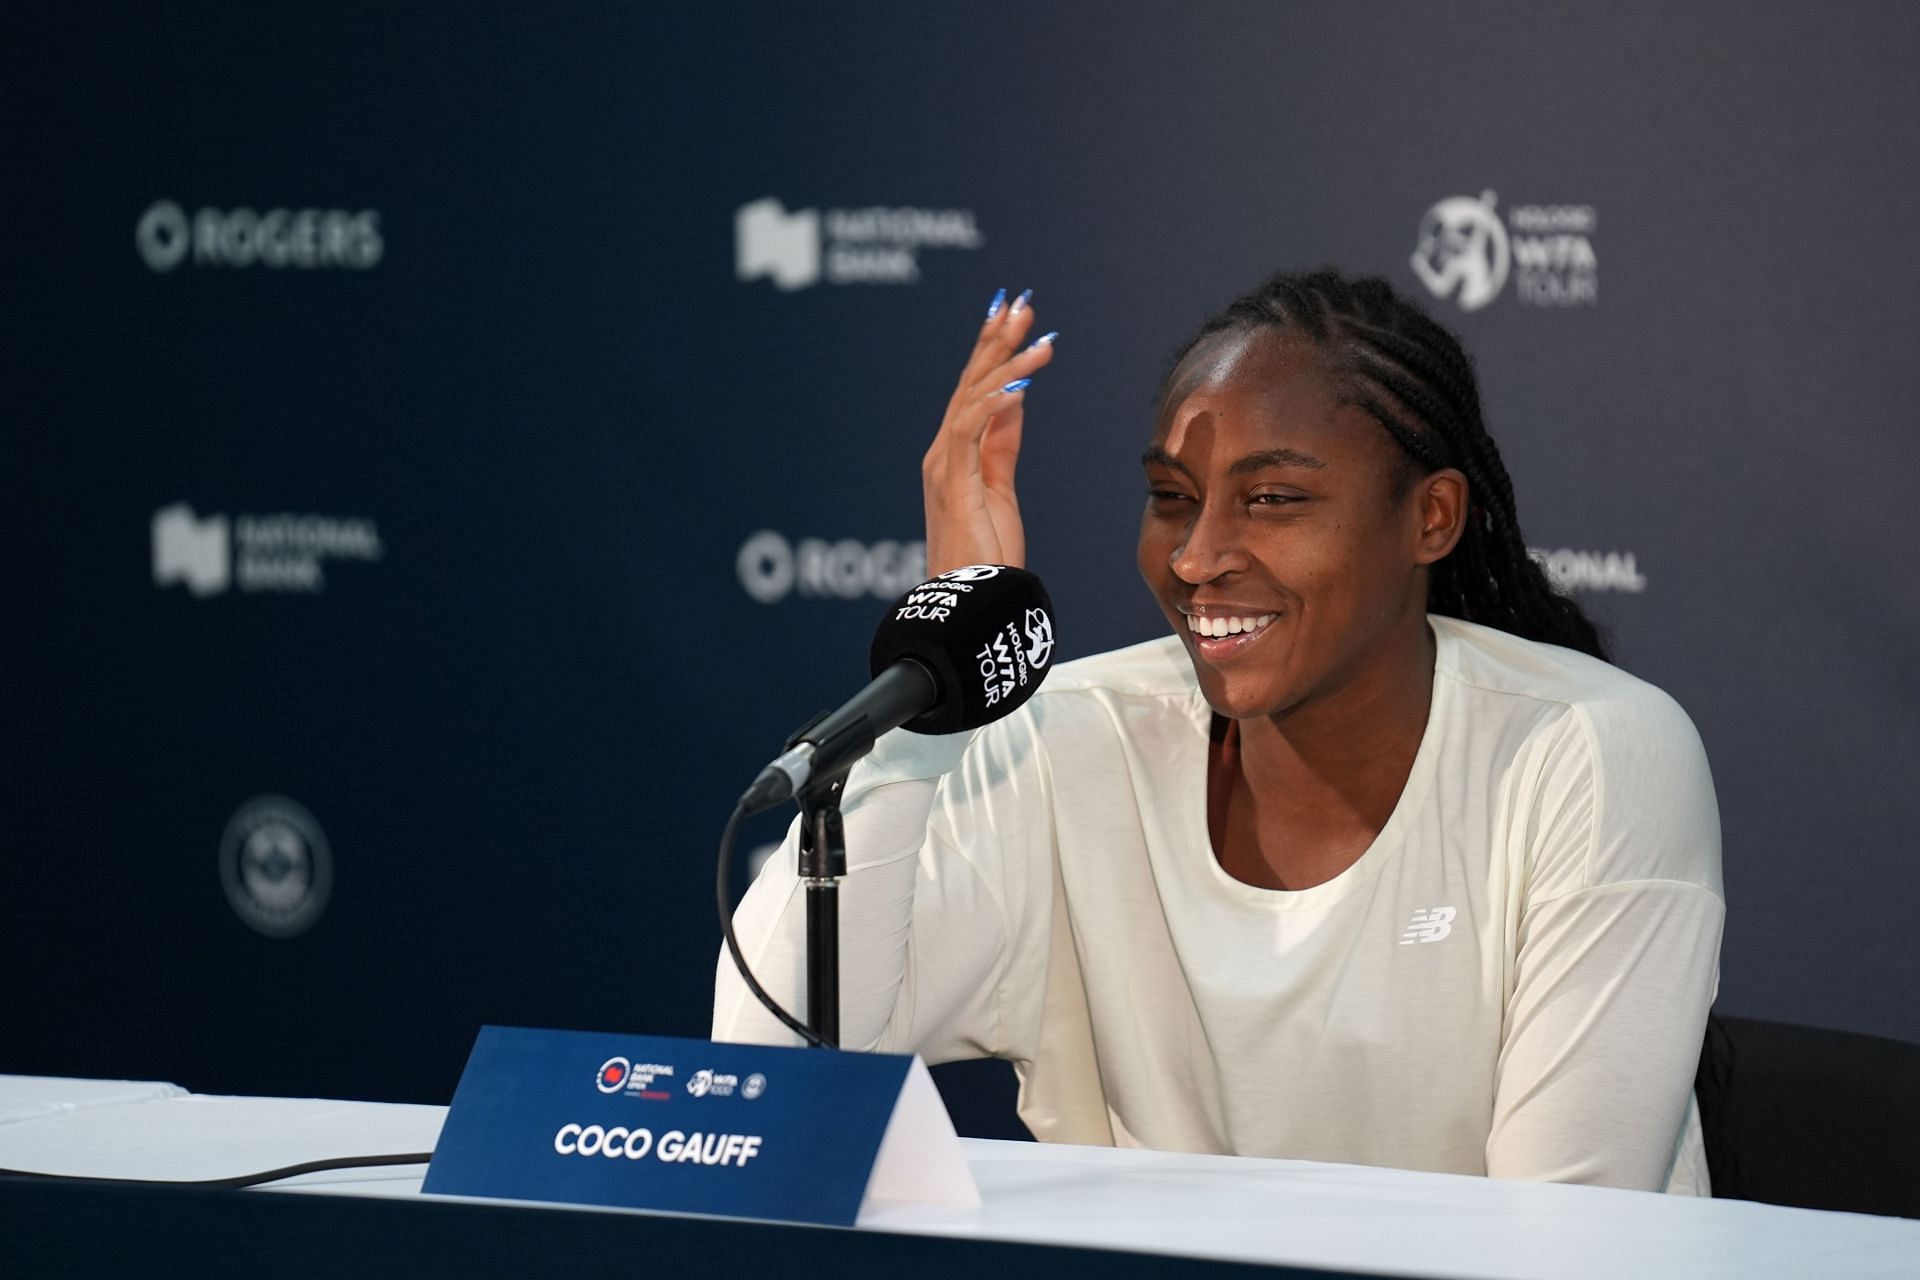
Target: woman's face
(1272, 516)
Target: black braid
(1415, 380)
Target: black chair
(1818, 1119)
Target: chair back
(1818, 1119)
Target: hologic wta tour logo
(1465, 251)
(878, 245)
(1010, 660)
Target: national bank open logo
(613, 1074)
(256, 553)
(878, 245)
(1466, 252)
(633, 1079)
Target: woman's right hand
(973, 515)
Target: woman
(1376, 860)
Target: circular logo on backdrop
(701, 1082)
(1463, 247)
(276, 866)
(162, 236)
(753, 1086)
(613, 1074)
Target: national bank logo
(769, 241)
(1465, 251)
(1574, 570)
(191, 550)
(879, 245)
(256, 553)
(168, 237)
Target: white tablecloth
(1274, 1211)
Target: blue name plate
(689, 1126)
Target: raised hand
(973, 515)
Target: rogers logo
(771, 567)
(299, 238)
(613, 1074)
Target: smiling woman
(1374, 860)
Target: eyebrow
(1156, 456)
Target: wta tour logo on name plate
(1465, 251)
(276, 867)
(878, 245)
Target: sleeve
(948, 844)
(1617, 958)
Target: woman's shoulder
(1612, 701)
(1623, 789)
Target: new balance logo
(1429, 925)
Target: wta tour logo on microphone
(1012, 657)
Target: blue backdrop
(447, 449)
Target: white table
(1343, 1217)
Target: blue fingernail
(993, 308)
(1018, 384)
(1020, 303)
(1046, 340)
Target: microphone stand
(823, 861)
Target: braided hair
(1413, 378)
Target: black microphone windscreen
(986, 634)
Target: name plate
(689, 1126)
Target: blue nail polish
(1046, 339)
(1018, 384)
(993, 308)
(1020, 303)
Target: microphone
(956, 652)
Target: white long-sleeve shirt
(1512, 980)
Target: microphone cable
(721, 897)
(238, 1180)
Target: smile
(1219, 627)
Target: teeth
(1217, 627)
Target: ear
(1441, 504)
